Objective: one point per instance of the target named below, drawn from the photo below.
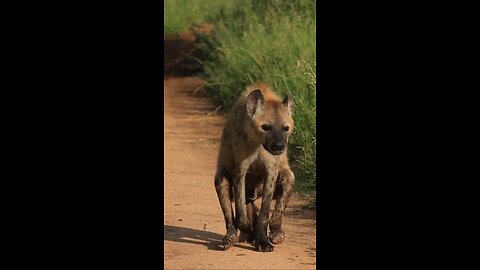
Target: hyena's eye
(286, 128)
(266, 127)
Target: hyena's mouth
(275, 153)
(275, 148)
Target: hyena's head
(271, 120)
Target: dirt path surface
(193, 221)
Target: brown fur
(253, 163)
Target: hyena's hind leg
(252, 215)
(284, 188)
(225, 194)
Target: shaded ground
(193, 220)
(180, 51)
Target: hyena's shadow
(198, 237)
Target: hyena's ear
(288, 102)
(254, 104)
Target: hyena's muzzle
(276, 142)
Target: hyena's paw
(228, 241)
(261, 241)
(246, 237)
(276, 237)
(263, 246)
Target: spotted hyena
(253, 163)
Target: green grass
(181, 14)
(271, 41)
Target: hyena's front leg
(222, 186)
(251, 194)
(286, 180)
(261, 240)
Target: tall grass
(271, 41)
(181, 14)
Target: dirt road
(193, 221)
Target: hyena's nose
(278, 146)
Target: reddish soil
(193, 221)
